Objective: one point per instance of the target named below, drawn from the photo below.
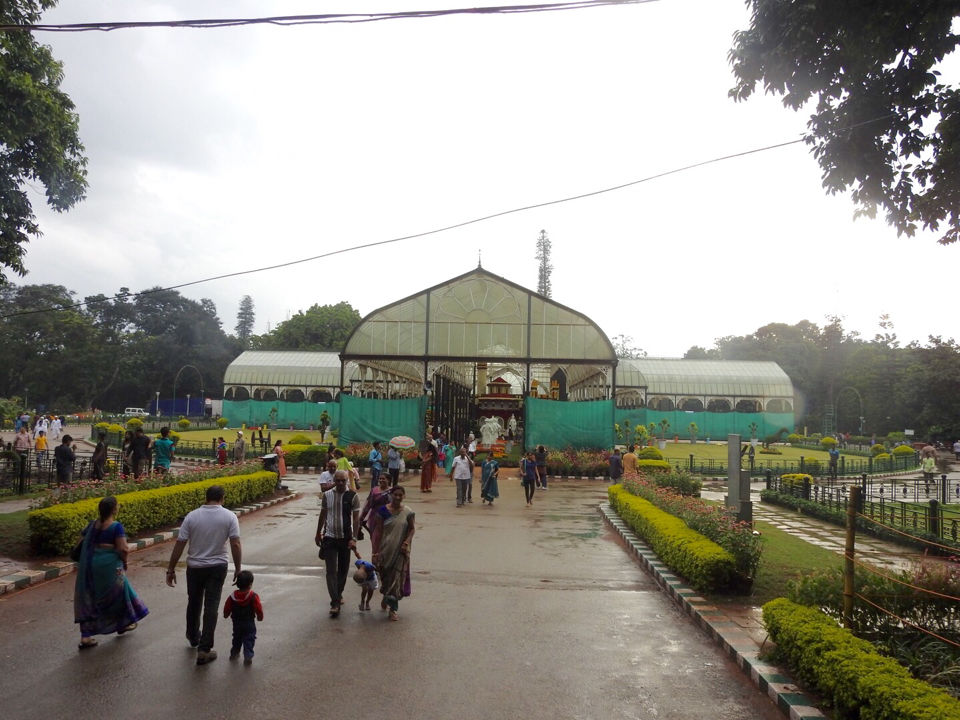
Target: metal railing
(908, 504)
(32, 470)
(759, 465)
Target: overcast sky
(216, 151)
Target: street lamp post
(158, 403)
(187, 414)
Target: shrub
(222, 422)
(649, 453)
(794, 439)
(305, 455)
(859, 681)
(705, 565)
(134, 423)
(770, 451)
(877, 449)
(716, 523)
(795, 480)
(300, 440)
(102, 426)
(183, 423)
(828, 443)
(882, 456)
(655, 465)
(114, 428)
(56, 529)
(903, 451)
(679, 480)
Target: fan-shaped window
(264, 394)
(691, 404)
(321, 396)
(660, 403)
(779, 406)
(719, 405)
(293, 395)
(630, 399)
(748, 406)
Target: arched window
(691, 404)
(660, 403)
(320, 396)
(778, 405)
(264, 394)
(293, 395)
(748, 406)
(719, 405)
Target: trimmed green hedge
(305, 455)
(859, 681)
(653, 465)
(704, 564)
(55, 530)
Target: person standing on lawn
(206, 532)
(163, 451)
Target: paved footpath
(516, 612)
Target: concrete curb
(53, 570)
(778, 685)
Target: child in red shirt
(243, 605)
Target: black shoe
(206, 657)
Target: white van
(134, 412)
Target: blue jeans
(374, 476)
(244, 635)
(204, 585)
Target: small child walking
(366, 577)
(243, 606)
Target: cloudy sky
(222, 150)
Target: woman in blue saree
(104, 602)
(489, 487)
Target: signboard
(908, 433)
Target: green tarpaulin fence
(557, 424)
(713, 425)
(299, 414)
(364, 420)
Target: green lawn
(785, 557)
(231, 434)
(718, 452)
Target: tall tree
(245, 319)
(322, 327)
(545, 269)
(885, 123)
(624, 347)
(39, 138)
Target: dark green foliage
(848, 671)
(322, 327)
(884, 121)
(39, 139)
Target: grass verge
(15, 535)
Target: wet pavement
(516, 612)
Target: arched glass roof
(285, 367)
(479, 316)
(739, 378)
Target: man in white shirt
(462, 473)
(207, 530)
(327, 476)
(337, 535)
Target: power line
(426, 233)
(320, 19)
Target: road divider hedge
(859, 681)
(55, 530)
(703, 563)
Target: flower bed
(717, 523)
(56, 529)
(117, 484)
(702, 562)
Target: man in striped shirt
(337, 535)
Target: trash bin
(271, 462)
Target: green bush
(183, 423)
(882, 456)
(794, 439)
(795, 480)
(703, 563)
(134, 423)
(903, 451)
(222, 422)
(114, 428)
(299, 440)
(56, 529)
(828, 443)
(679, 480)
(653, 465)
(649, 453)
(305, 455)
(770, 451)
(877, 449)
(859, 681)
(102, 426)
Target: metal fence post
(933, 521)
(849, 548)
